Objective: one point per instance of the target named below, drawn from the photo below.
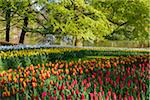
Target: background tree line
(90, 20)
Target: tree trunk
(22, 36)
(7, 17)
(78, 41)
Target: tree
(6, 7)
(76, 18)
(131, 18)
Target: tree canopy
(83, 19)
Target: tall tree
(24, 29)
(5, 8)
(8, 18)
(131, 18)
(76, 18)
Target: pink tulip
(129, 97)
(84, 89)
(88, 78)
(43, 94)
(125, 98)
(100, 95)
(107, 97)
(91, 96)
(62, 96)
(143, 69)
(101, 88)
(69, 87)
(132, 98)
(114, 96)
(102, 92)
(82, 96)
(51, 98)
(95, 85)
(109, 93)
(119, 97)
(101, 82)
(77, 92)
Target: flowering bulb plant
(97, 79)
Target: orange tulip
(4, 94)
(10, 70)
(67, 71)
(34, 84)
(15, 80)
(81, 72)
(43, 65)
(43, 76)
(18, 67)
(42, 84)
(33, 79)
(24, 84)
(17, 76)
(66, 65)
(9, 78)
(48, 75)
(48, 87)
(51, 82)
(23, 90)
(59, 78)
(69, 78)
(47, 64)
(1, 75)
(21, 80)
(102, 66)
(86, 70)
(13, 91)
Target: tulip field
(117, 78)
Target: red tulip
(95, 85)
(102, 92)
(82, 96)
(139, 97)
(84, 89)
(114, 96)
(143, 69)
(88, 78)
(119, 97)
(129, 83)
(125, 98)
(127, 93)
(62, 86)
(72, 92)
(69, 87)
(101, 88)
(54, 91)
(59, 87)
(43, 94)
(129, 98)
(93, 76)
(91, 96)
(69, 97)
(100, 95)
(77, 91)
(109, 93)
(107, 97)
(101, 82)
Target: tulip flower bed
(13, 58)
(97, 79)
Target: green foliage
(85, 19)
(131, 18)
(75, 17)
